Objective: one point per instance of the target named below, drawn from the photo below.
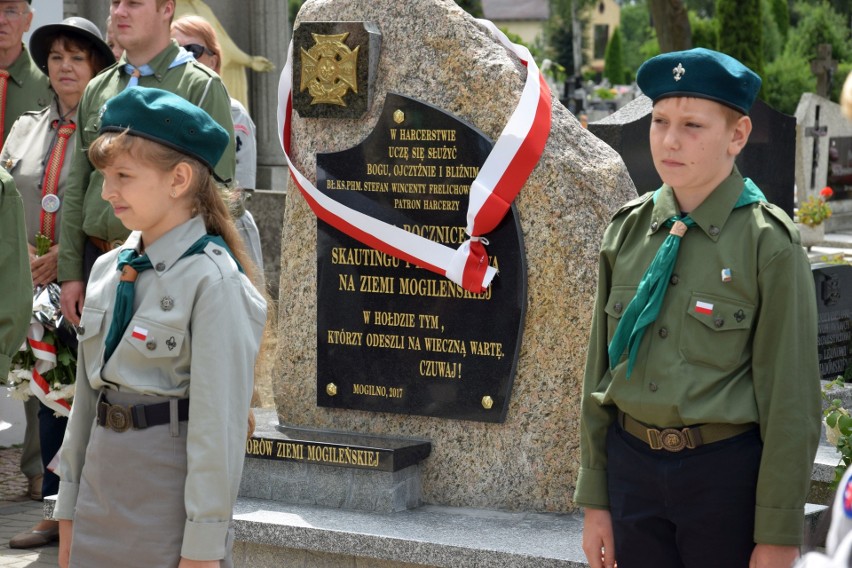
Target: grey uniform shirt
(202, 322)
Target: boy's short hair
(701, 73)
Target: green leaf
(845, 423)
(831, 419)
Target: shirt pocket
(619, 298)
(92, 125)
(90, 339)
(716, 331)
(154, 340)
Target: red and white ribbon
(45, 356)
(504, 173)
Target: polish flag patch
(704, 308)
(139, 333)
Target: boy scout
(701, 397)
(15, 279)
(150, 59)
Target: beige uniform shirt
(25, 155)
(203, 321)
(754, 360)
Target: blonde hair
(197, 26)
(209, 201)
(846, 97)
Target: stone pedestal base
(339, 470)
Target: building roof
(497, 10)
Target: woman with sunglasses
(197, 36)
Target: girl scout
(153, 453)
(701, 397)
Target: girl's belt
(677, 439)
(121, 418)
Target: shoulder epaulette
(633, 203)
(201, 67)
(222, 258)
(779, 215)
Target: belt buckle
(669, 439)
(118, 418)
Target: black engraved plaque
(393, 337)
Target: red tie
(4, 82)
(50, 183)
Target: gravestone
(768, 158)
(833, 284)
(529, 461)
(824, 157)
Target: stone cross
(824, 68)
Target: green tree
(818, 23)
(781, 14)
(702, 8)
(563, 31)
(705, 31)
(741, 31)
(635, 29)
(773, 40)
(784, 81)
(614, 60)
(843, 71)
(472, 7)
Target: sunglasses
(197, 50)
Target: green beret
(167, 119)
(700, 73)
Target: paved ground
(17, 514)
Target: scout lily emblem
(678, 72)
(329, 69)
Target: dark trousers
(688, 509)
(51, 428)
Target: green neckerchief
(645, 305)
(130, 263)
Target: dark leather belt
(105, 246)
(122, 418)
(677, 439)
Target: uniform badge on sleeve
(847, 498)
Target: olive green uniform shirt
(28, 89)
(85, 212)
(16, 282)
(754, 360)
